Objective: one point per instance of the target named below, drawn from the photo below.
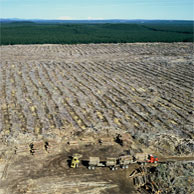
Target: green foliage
(36, 33)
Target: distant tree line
(36, 33)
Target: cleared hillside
(81, 99)
(145, 89)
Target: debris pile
(175, 178)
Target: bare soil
(79, 94)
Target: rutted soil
(59, 93)
(49, 172)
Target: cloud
(91, 18)
(65, 18)
(71, 18)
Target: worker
(32, 150)
(15, 150)
(46, 145)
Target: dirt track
(50, 173)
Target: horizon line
(87, 19)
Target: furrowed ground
(58, 91)
(140, 88)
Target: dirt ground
(71, 96)
(49, 172)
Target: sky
(97, 9)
